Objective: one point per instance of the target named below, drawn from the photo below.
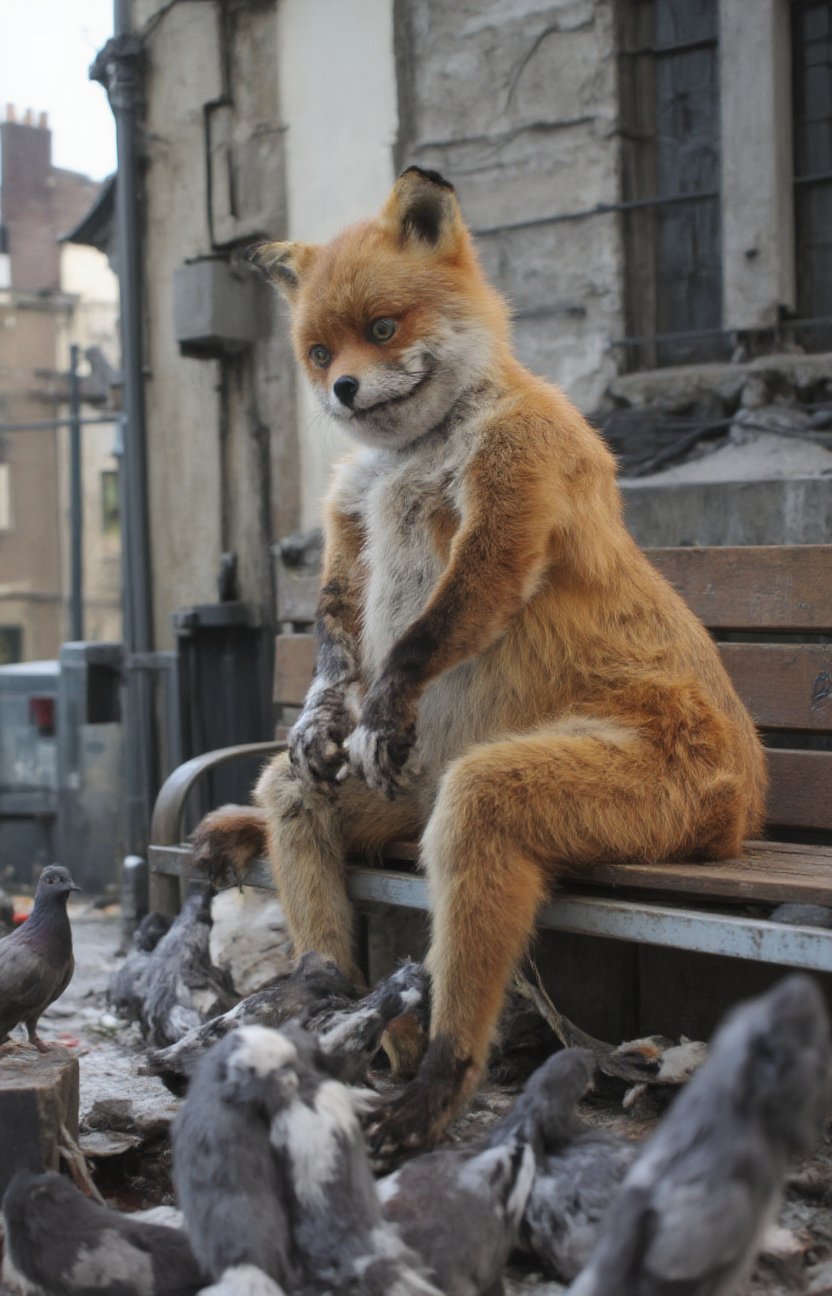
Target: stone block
(38, 1096)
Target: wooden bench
(771, 611)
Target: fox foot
(227, 842)
(414, 1120)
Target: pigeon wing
(26, 983)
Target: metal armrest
(166, 825)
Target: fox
(500, 669)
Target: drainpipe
(118, 67)
(76, 504)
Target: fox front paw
(316, 743)
(380, 757)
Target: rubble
(124, 1119)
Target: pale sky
(46, 47)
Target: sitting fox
(500, 669)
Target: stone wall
(516, 103)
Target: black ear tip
(433, 176)
(252, 251)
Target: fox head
(393, 321)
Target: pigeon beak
(74, 887)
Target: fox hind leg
(511, 817)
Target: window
(110, 510)
(5, 498)
(11, 644)
(670, 123)
(812, 106)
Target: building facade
(52, 294)
(649, 182)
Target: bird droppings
(125, 1119)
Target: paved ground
(124, 1117)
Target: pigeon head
(547, 1107)
(787, 1060)
(54, 881)
(26, 1191)
(267, 1067)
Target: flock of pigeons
(277, 1194)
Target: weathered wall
(339, 158)
(515, 102)
(220, 431)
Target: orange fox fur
(500, 668)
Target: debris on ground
(125, 1118)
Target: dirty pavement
(125, 1117)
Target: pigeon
(271, 1170)
(484, 1190)
(342, 1241)
(691, 1213)
(36, 961)
(578, 1169)
(180, 987)
(318, 995)
(230, 1186)
(59, 1243)
(244, 1280)
(126, 990)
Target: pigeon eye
(381, 330)
(320, 356)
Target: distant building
(52, 294)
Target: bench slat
(769, 873)
(297, 595)
(800, 795)
(755, 587)
(294, 664)
(615, 918)
(784, 686)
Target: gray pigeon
(230, 1186)
(244, 1280)
(126, 991)
(318, 995)
(342, 1240)
(691, 1213)
(60, 1243)
(271, 1170)
(460, 1208)
(181, 988)
(36, 961)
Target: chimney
(28, 118)
(11, 115)
(43, 121)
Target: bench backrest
(770, 608)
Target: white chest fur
(401, 497)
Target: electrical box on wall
(215, 307)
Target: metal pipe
(76, 504)
(118, 66)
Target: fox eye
(320, 356)
(381, 330)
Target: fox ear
(423, 207)
(283, 264)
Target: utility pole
(76, 504)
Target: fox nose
(346, 389)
